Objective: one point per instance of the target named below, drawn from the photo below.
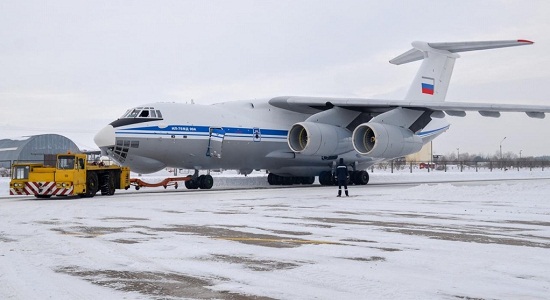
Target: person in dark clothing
(342, 177)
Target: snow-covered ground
(461, 240)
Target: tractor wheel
(108, 184)
(91, 185)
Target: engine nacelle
(310, 138)
(385, 141)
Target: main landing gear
(325, 178)
(274, 179)
(203, 182)
(354, 177)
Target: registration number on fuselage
(183, 128)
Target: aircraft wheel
(361, 178)
(275, 179)
(308, 180)
(192, 184)
(271, 178)
(206, 182)
(325, 178)
(288, 180)
(199, 181)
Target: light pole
(431, 152)
(501, 147)
(519, 162)
(457, 154)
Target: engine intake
(310, 138)
(385, 141)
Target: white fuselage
(240, 135)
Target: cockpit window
(133, 113)
(138, 115)
(142, 112)
(126, 113)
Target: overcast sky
(71, 67)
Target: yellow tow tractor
(71, 175)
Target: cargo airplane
(298, 138)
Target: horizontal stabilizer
(417, 53)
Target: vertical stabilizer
(432, 79)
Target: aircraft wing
(377, 106)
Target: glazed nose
(105, 137)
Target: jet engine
(385, 141)
(310, 138)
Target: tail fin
(432, 80)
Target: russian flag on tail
(428, 85)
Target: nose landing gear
(204, 182)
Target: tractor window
(65, 162)
(21, 172)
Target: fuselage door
(215, 142)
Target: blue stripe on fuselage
(229, 131)
(204, 130)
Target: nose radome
(105, 137)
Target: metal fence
(5, 168)
(399, 165)
(462, 166)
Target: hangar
(32, 148)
